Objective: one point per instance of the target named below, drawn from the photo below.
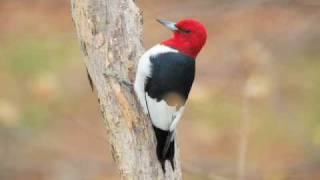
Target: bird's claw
(122, 81)
(127, 83)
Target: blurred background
(253, 113)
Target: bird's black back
(171, 73)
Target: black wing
(172, 74)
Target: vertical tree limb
(110, 35)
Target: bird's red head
(189, 36)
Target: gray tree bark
(110, 36)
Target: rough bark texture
(110, 35)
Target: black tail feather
(165, 147)
(170, 154)
(167, 144)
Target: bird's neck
(184, 47)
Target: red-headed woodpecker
(164, 78)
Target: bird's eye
(185, 31)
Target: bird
(164, 77)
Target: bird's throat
(183, 47)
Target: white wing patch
(162, 115)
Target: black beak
(168, 24)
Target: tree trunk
(110, 35)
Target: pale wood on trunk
(109, 32)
